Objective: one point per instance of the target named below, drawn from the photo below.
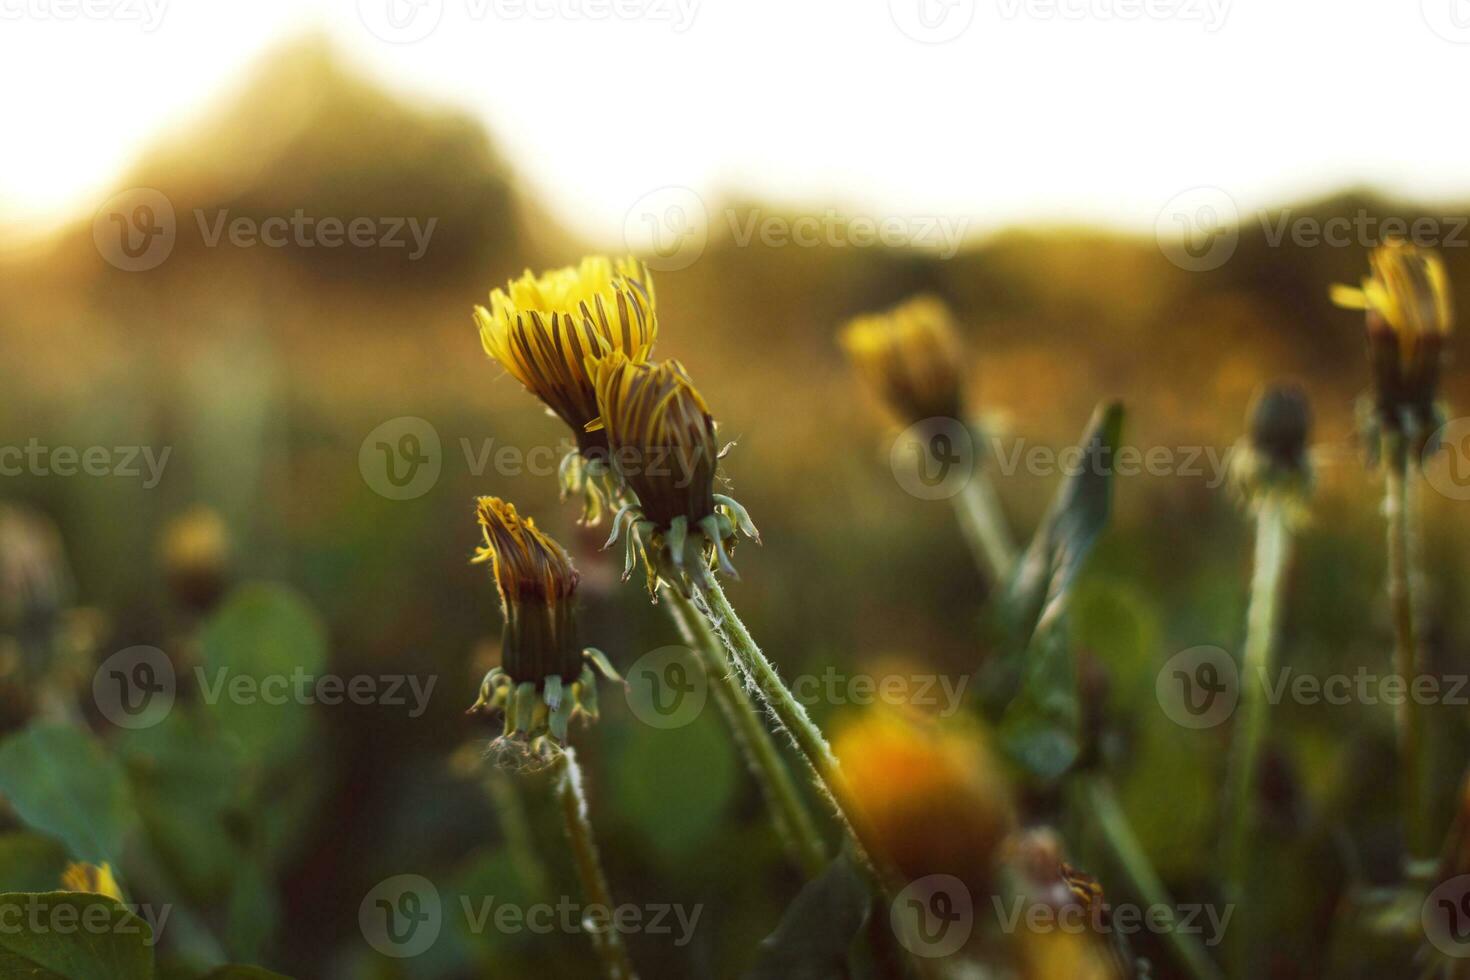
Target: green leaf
(1041, 584)
(255, 648)
(71, 936)
(242, 973)
(61, 781)
(1040, 730)
(814, 938)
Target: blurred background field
(265, 369)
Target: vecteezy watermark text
(128, 462)
(35, 915)
(402, 916)
(147, 13)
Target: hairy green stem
(808, 738)
(794, 823)
(1401, 547)
(606, 941)
(983, 522)
(1273, 548)
(1127, 852)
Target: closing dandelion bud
(546, 677)
(1409, 316)
(195, 553)
(927, 799)
(92, 879)
(912, 357)
(666, 455)
(542, 329)
(1272, 460)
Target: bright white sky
(1038, 109)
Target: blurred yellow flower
(1409, 315)
(929, 798)
(911, 355)
(1408, 290)
(92, 879)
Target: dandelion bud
(928, 799)
(911, 355)
(195, 553)
(1409, 316)
(665, 452)
(1272, 460)
(92, 879)
(542, 329)
(545, 677)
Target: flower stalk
(794, 823)
(612, 953)
(983, 523)
(1401, 546)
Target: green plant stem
(794, 823)
(984, 525)
(808, 738)
(1127, 852)
(606, 941)
(1273, 549)
(1401, 548)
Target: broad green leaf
(61, 781)
(71, 936)
(256, 650)
(814, 938)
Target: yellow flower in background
(665, 452)
(543, 329)
(92, 879)
(1409, 314)
(545, 677)
(1408, 290)
(911, 356)
(930, 798)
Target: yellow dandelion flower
(1409, 315)
(545, 677)
(929, 798)
(542, 330)
(92, 879)
(664, 449)
(911, 355)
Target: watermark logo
(1450, 19)
(128, 462)
(1198, 229)
(1445, 916)
(1209, 13)
(402, 916)
(147, 13)
(400, 21)
(135, 229)
(135, 688)
(932, 21)
(1198, 687)
(402, 458)
(669, 227)
(1447, 469)
(933, 459)
(667, 687)
(934, 916)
